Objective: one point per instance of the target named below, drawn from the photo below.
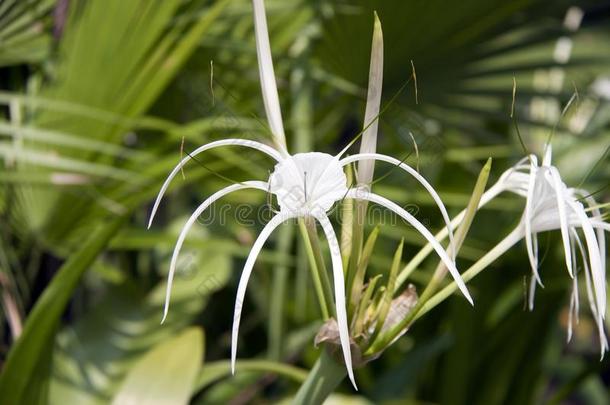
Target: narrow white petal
(363, 195)
(601, 239)
(373, 102)
(587, 271)
(522, 162)
(338, 282)
(573, 312)
(573, 250)
(575, 279)
(576, 299)
(529, 212)
(491, 193)
(603, 341)
(560, 193)
(532, 293)
(600, 225)
(599, 281)
(204, 205)
(245, 276)
(267, 75)
(535, 245)
(223, 142)
(418, 177)
(548, 156)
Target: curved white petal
(522, 162)
(560, 193)
(515, 181)
(576, 300)
(603, 341)
(573, 312)
(535, 245)
(245, 276)
(377, 199)
(601, 239)
(491, 193)
(223, 142)
(587, 271)
(532, 294)
(418, 177)
(529, 212)
(573, 315)
(548, 156)
(267, 75)
(575, 281)
(338, 282)
(187, 226)
(597, 273)
(600, 225)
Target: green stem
(508, 242)
(315, 270)
(302, 284)
(217, 370)
(322, 380)
(278, 294)
(441, 269)
(347, 227)
(404, 274)
(427, 301)
(310, 224)
(357, 238)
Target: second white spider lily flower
(551, 205)
(305, 185)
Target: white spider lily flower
(305, 185)
(551, 205)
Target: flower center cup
(306, 182)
